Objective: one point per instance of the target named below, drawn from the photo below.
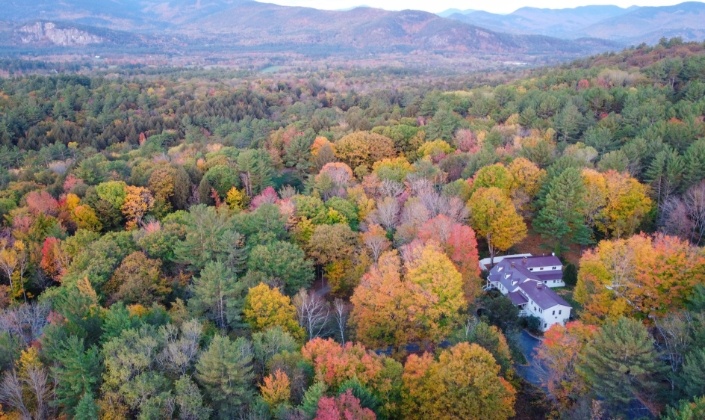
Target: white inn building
(527, 282)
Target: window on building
(541, 268)
(559, 312)
(554, 312)
(554, 268)
(545, 325)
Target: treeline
(306, 248)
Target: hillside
(217, 244)
(632, 25)
(225, 26)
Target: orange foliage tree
(459, 243)
(138, 201)
(558, 355)
(421, 307)
(464, 383)
(334, 364)
(276, 389)
(640, 276)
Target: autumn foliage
(463, 383)
(639, 276)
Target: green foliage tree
(218, 295)
(621, 363)
(282, 263)
(224, 371)
(256, 170)
(561, 217)
(189, 400)
(210, 236)
(76, 373)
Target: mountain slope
(649, 24)
(247, 24)
(549, 22)
(632, 25)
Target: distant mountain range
(633, 25)
(195, 26)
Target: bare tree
(181, 347)
(686, 217)
(37, 381)
(313, 313)
(694, 200)
(376, 240)
(341, 313)
(387, 212)
(11, 394)
(26, 321)
(389, 188)
(456, 209)
(30, 390)
(675, 219)
(674, 339)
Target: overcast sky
(435, 6)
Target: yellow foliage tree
(435, 148)
(527, 179)
(236, 199)
(463, 384)
(493, 216)
(639, 276)
(85, 218)
(276, 389)
(628, 203)
(138, 201)
(422, 307)
(267, 307)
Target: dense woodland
(303, 247)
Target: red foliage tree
(343, 407)
(460, 245)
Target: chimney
(539, 286)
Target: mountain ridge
(244, 23)
(631, 25)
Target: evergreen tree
(283, 263)
(189, 400)
(694, 163)
(256, 170)
(225, 372)
(561, 217)
(87, 408)
(621, 363)
(693, 373)
(76, 374)
(309, 404)
(217, 295)
(209, 236)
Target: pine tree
(87, 408)
(561, 217)
(309, 404)
(693, 373)
(621, 363)
(218, 295)
(225, 372)
(76, 373)
(189, 400)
